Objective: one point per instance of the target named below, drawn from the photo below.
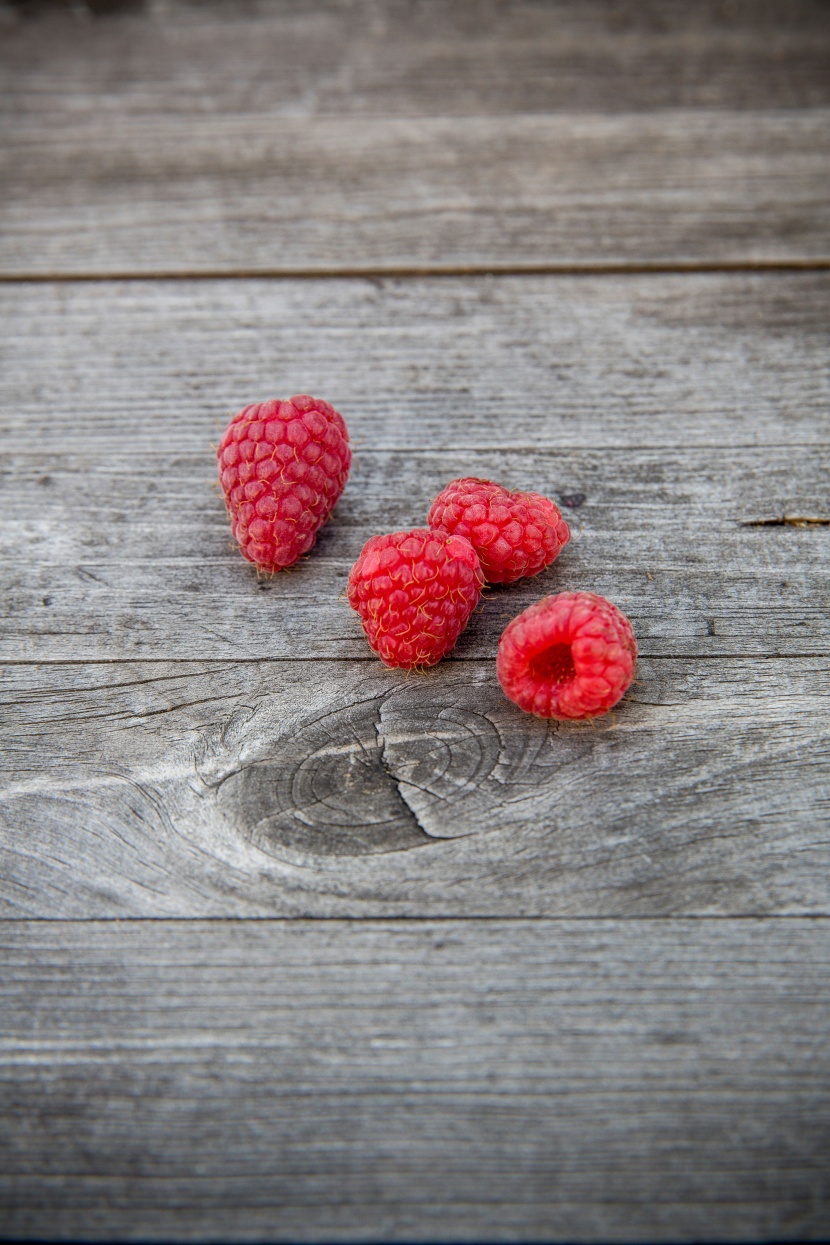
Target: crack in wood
(787, 520)
(404, 768)
(396, 782)
(324, 790)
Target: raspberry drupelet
(282, 466)
(414, 592)
(514, 534)
(568, 656)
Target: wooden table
(295, 947)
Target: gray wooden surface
(579, 248)
(282, 137)
(257, 193)
(635, 1080)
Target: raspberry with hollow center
(568, 656)
(283, 466)
(514, 534)
(414, 592)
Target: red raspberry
(414, 592)
(568, 656)
(282, 465)
(514, 534)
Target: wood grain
(255, 193)
(600, 1011)
(401, 59)
(207, 138)
(662, 533)
(342, 788)
(487, 363)
(395, 1081)
(666, 414)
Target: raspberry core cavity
(570, 656)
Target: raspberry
(414, 592)
(282, 465)
(514, 534)
(568, 656)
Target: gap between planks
(367, 660)
(413, 272)
(431, 919)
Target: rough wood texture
(303, 788)
(398, 58)
(473, 1080)
(256, 193)
(660, 533)
(205, 138)
(181, 741)
(703, 402)
(655, 361)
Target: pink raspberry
(514, 534)
(568, 656)
(282, 465)
(414, 592)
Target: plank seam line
(510, 447)
(403, 919)
(369, 659)
(368, 272)
(597, 451)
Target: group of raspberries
(283, 466)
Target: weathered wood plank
(204, 137)
(370, 59)
(320, 788)
(257, 193)
(503, 362)
(396, 1081)
(469, 1079)
(668, 535)
(109, 510)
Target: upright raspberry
(414, 592)
(568, 656)
(282, 465)
(514, 534)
